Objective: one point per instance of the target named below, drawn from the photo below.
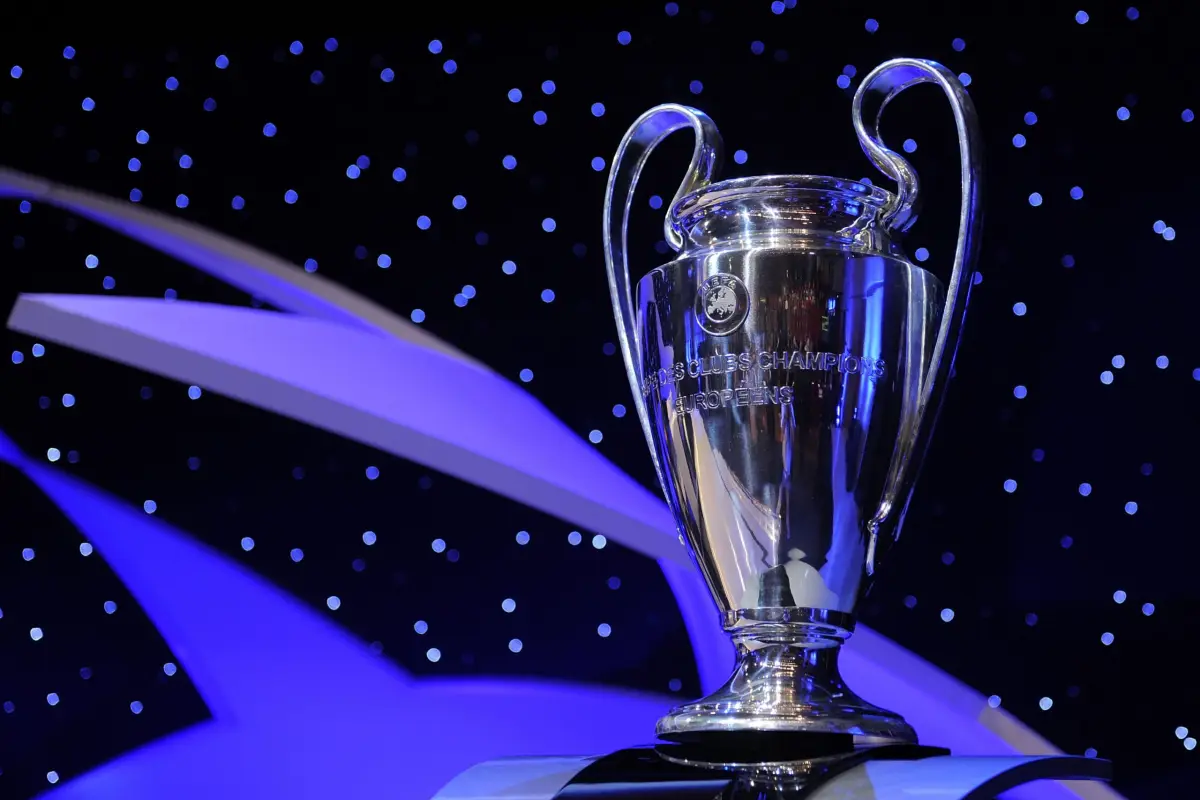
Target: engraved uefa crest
(722, 304)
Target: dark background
(1031, 574)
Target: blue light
(88, 104)
(509, 605)
(1119, 596)
(369, 538)
(910, 146)
(618, 411)
(135, 165)
(450, 67)
(459, 202)
(1018, 140)
(871, 26)
(1068, 261)
(514, 95)
(269, 129)
(238, 202)
(387, 75)
(38, 350)
(417, 316)
(353, 171)
(597, 109)
(672, 9)
(964, 78)
(372, 473)
(1131, 13)
(469, 292)
(1168, 233)
(1106, 377)
(509, 162)
(1030, 118)
(210, 104)
(433, 654)
(18, 357)
(16, 72)
(1160, 226)
(1118, 361)
(290, 196)
(696, 87)
(548, 87)
(777, 7)
(438, 545)
(959, 45)
(1187, 115)
(1085, 489)
(655, 201)
(68, 400)
(362, 162)
(460, 300)
(1081, 17)
(142, 137)
(1148, 609)
(843, 81)
(1131, 508)
(598, 164)
(68, 52)
(399, 174)
(1010, 486)
(526, 375)
(421, 627)
(222, 62)
(181, 201)
(150, 506)
(624, 38)
(185, 161)
(522, 537)
(539, 118)
(547, 295)
(331, 44)
(423, 222)
(172, 83)
(1076, 193)
(922, 254)
(435, 47)
(135, 195)
(1020, 392)
(757, 47)
(1162, 362)
(333, 602)
(1122, 113)
(1035, 199)
(595, 437)
(296, 48)
(1019, 309)
(194, 392)
(548, 224)
(509, 267)
(740, 156)
(25, 206)
(383, 261)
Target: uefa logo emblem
(721, 305)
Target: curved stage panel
(207, 345)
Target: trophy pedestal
(878, 773)
(786, 690)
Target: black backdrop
(1032, 573)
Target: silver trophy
(787, 368)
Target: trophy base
(791, 690)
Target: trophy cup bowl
(787, 368)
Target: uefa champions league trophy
(787, 368)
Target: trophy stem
(787, 682)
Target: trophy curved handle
(640, 140)
(879, 88)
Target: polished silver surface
(787, 368)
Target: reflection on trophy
(787, 368)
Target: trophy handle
(640, 140)
(878, 89)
